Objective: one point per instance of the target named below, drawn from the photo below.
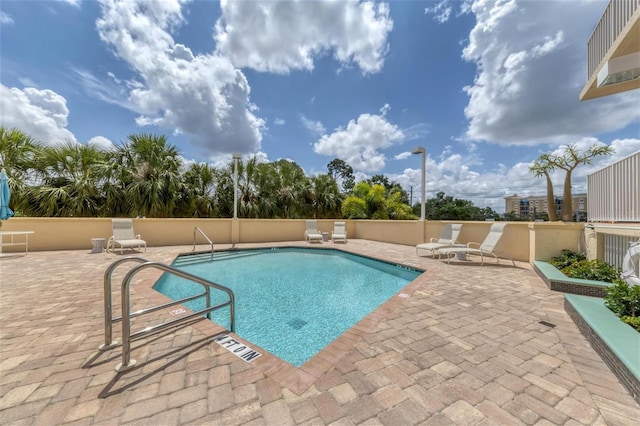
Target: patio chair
(488, 246)
(448, 238)
(124, 236)
(312, 234)
(339, 232)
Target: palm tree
(543, 166)
(146, 168)
(282, 186)
(18, 153)
(250, 203)
(325, 196)
(366, 201)
(196, 191)
(71, 178)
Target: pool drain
(297, 323)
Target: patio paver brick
(464, 347)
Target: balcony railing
(614, 19)
(614, 192)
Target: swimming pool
(291, 301)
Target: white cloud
(102, 142)
(454, 175)
(531, 68)
(316, 127)
(75, 3)
(111, 90)
(280, 36)
(27, 82)
(402, 155)
(203, 96)
(359, 144)
(279, 122)
(41, 114)
(6, 19)
(441, 11)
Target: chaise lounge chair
(339, 232)
(312, 234)
(124, 236)
(488, 246)
(448, 238)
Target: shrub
(596, 269)
(621, 298)
(632, 321)
(566, 258)
(624, 301)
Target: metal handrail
(127, 337)
(108, 314)
(205, 236)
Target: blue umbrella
(5, 196)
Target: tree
(445, 207)
(544, 166)
(285, 183)
(71, 181)
(18, 154)
(568, 160)
(389, 186)
(195, 196)
(325, 196)
(372, 202)
(338, 169)
(146, 170)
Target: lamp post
(236, 157)
(421, 150)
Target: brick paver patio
(463, 344)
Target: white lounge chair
(124, 236)
(339, 232)
(488, 246)
(448, 238)
(312, 234)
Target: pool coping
(299, 379)
(557, 281)
(616, 342)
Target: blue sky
(485, 86)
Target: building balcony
(613, 51)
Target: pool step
(206, 257)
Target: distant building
(534, 206)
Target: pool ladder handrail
(127, 337)
(197, 229)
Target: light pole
(421, 150)
(236, 157)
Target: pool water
(290, 301)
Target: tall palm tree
(71, 178)
(148, 170)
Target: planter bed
(617, 343)
(558, 281)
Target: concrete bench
(558, 281)
(617, 343)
